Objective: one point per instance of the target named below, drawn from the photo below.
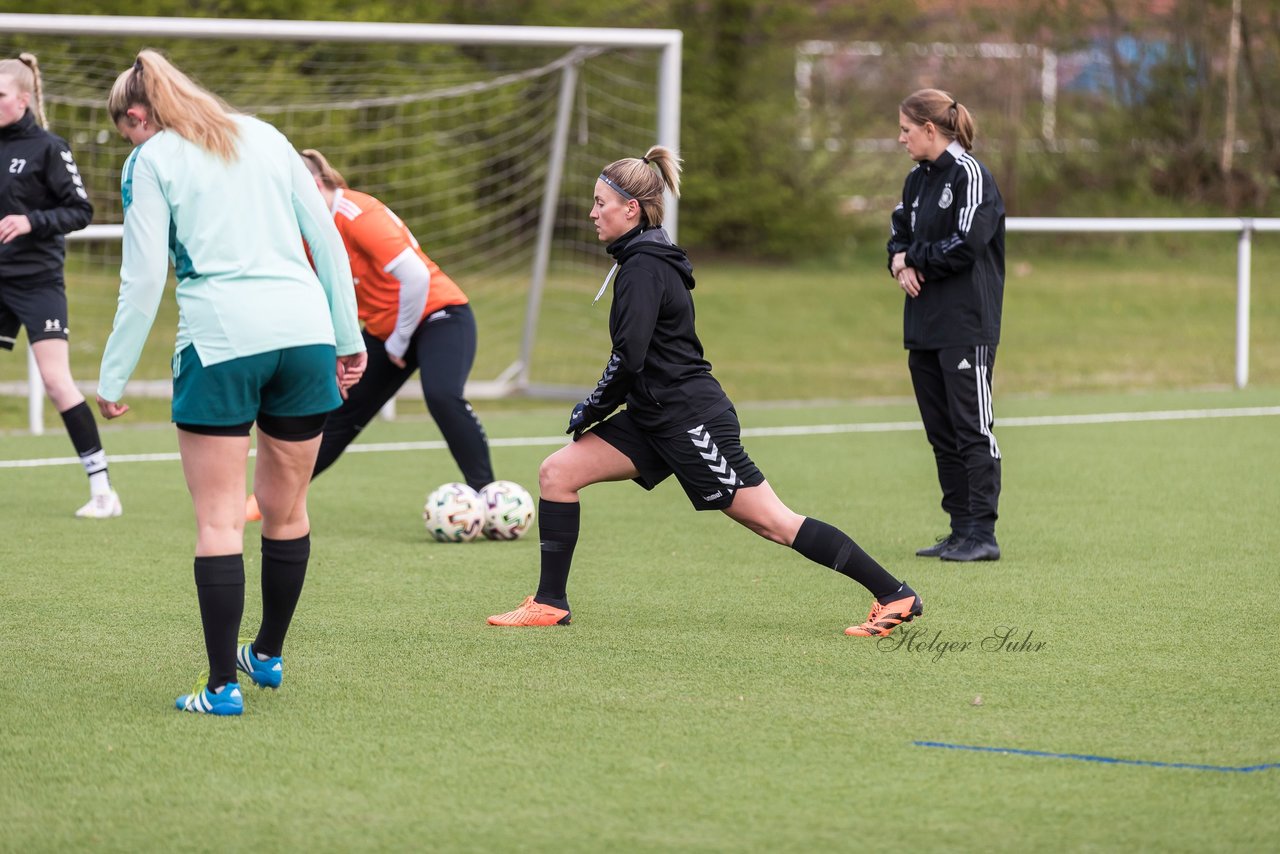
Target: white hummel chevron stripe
(717, 462)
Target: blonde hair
(636, 178)
(948, 115)
(25, 72)
(318, 166)
(175, 102)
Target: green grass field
(705, 698)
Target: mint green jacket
(234, 234)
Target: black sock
(558, 524)
(220, 589)
(284, 568)
(83, 430)
(831, 547)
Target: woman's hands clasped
(350, 370)
(909, 279)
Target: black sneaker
(950, 541)
(973, 548)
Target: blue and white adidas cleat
(225, 701)
(264, 674)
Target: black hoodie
(38, 178)
(656, 366)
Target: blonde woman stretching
(677, 421)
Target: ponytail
(175, 102)
(948, 115)
(633, 177)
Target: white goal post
(484, 139)
(1242, 227)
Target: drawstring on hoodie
(608, 277)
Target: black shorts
(709, 460)
(41, 308)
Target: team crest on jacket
(945, 200)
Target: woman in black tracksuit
(42, 198)
(946, 250)
(677, 418)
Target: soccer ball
(509, 510)
(454, 513)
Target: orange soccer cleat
(531, 613)
(251, 511)
(886, 617)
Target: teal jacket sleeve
(143, 270)
(330, 257)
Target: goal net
(486, 141)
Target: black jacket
(950, 223)
(656, 365)
(39, 178)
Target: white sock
(95, 465)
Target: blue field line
(1109, 760)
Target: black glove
(578, 422)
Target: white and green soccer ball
(454, 513)
(509, 510)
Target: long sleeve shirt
(397, 284)
(234, 233)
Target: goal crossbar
(339, 31)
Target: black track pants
(953, 390)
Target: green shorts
(291, 382)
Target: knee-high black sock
(220, 589)
(558, 524)
(284, 568)
(83, 430)
(821, 543)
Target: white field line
(750, 432)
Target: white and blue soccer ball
(454, 513)
(509, 510)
